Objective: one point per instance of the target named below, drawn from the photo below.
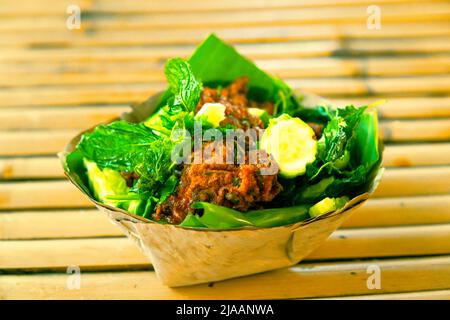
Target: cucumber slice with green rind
(292, 143)
(327, 205)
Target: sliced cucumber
(109, 183)
(106, 182)
(211, 113)
(327, 205)
(260, 113)
(292, 143)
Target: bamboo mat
(55, 82)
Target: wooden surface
(55, 82)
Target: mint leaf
(183, 85)
(130, 147)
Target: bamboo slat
(88, 254)
(353, 66)
(157, 53)
(408, 155)
(122, 93)
(86, 66)
(411, 12)
(397, 46)
(59, 118)
(84, 223)
(303, 281)
(92, 254)
(385, 212)
(255, 51)
(92, 94)
(409, 85)
(49, 194)
(34, 142)
(418, 295)
(374, 86)
(58, 224)
(29, 7)
(416, 130)
(414, 181)
(81, 78)
(69, 73)
(104, 254)
(385, 242)
(30, 168)
(67, 38)
(395, 107)
(407, 66)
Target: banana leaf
(215, 62)
(218, 217)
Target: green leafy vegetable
(337, 142)
(314, 191)
(119, 145)
(130, 147)
(218, 217)
(366, 144)
(145, 148)
(182, 84)
(319, 114)
(177, 105)
(168, 187)
(216, 63)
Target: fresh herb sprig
(144, 149)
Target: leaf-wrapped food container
(186, 256)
